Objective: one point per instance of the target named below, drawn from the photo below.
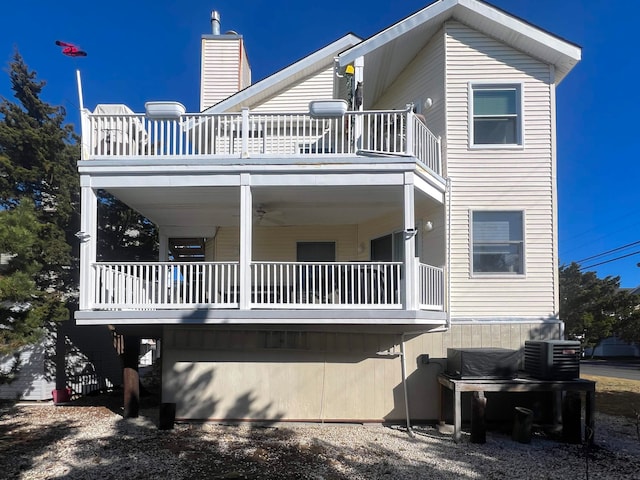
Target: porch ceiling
(207, 207)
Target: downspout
(403, 367)
(448, 269)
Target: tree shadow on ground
(21, 442)
(114, 447)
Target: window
(389, 248)
(498, 242)
(497, 119)
(316, 252)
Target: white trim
(409, 231)
(554, 191)
(246, 233)
(503, 320)
(520, 124)
(88, 245)
(486, 19)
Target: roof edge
(333, 49)
(442, 10)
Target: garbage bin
(167, 416)
(522, 425)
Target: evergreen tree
(38, 154)
(39, 215)
(124, 235)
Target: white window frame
(472, 271)
(519, 88)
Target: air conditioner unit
(552, 359)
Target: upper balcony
(113, 132)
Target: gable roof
(288, 76)
(393, 48)
(388, 52)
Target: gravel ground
(43, 441)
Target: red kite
(70, 49)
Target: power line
(611, 260)
(608, 251)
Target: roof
(266, 88)
(393, 48)
(388, 52)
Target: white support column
(410, 271)
(88, 241)
(246, 225)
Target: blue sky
(150, 50)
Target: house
(328, 232)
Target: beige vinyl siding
(378, 227)
(296, 99)
(423, 78)
(238, 374)
(518, 178)
(430, 244)
(278, 244)
(209, 249)
(220, 75)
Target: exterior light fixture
(83, 236)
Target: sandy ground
(93, 441)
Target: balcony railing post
(439, 155)
(409, 118)
(245, 133)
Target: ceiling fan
(265, 216)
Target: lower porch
(273, 285)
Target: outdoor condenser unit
(552, 359)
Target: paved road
(628, 370)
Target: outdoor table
(520, 384)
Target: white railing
(326, 284)
(319, 285)
(430, 287)
(426, 146)
(142, 286)
(249, 134)
(86, 383)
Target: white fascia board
(335, 179)
(428, 189)
(287, 74)
(502, 25)
(554, 50)
(531, 32)
(430, 13)
(143, 181)
(257, 317)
